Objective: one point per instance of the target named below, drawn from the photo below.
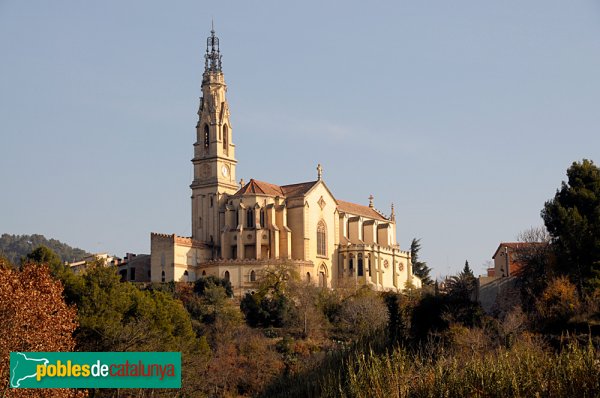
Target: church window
(308, 277)
(211, 201)
(163, 276)
(351, 266)
(321, 239)
(206, 137)
(360, 265)
(262, 218)
(131, 274)
(226, 275)
(203, 273)
(252, 276)
(225, 139)
(250, 218)
(186, 276)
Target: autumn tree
(34, 317)
(420, 268)
(572, 218)
(537, 265)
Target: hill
(15, 247)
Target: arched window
(252, 276)
(206, 137)
(250, 218)
(323, 275)
(360, 265)
(163, 276)
(351, 266)
(186, 276)
(226, 275)
(203, 273)
(262, 218)
(308, 276)
(225, 139)
(321, 239)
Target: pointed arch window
(225, 139)
(163, 276)
(262, 218)
(206, 137)
(252, 276)
(321, 238)
(360, 265)
(250, 218)
(226, 275)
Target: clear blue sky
(465, 114)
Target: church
(239, 229)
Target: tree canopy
(572, 218)
(16, 247)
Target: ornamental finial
(319, 172)
(393, 215)
(371, 201)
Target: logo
(95, 369)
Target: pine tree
(420, 268)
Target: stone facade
(239, 230)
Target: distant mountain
(15, 247)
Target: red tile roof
(517, 245)
(255, 187)
(360, 210)
(265, 188)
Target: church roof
(265, 188)
(298, 189)
(255, 187)
(261, 188)
(360, 210)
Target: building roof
(260, 188)
(265, 188)
(255, 187)
(298, 189)
(360, 210)
(517, 246)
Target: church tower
(214, 153)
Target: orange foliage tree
(33, 317)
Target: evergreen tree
(572, 218)
(420, 268)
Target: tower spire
(212, 58)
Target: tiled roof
(261, 188)
(360, 210)
(265, 188)
(518, 245)
(297, 189)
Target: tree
(572, 218)
(271, 304)
(420, 268)
(463, 285)
(34, 318)
(537, 268)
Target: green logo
(95, 369)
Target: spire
(371, 201)
(393, 215)
(212, 58)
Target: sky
(464, 114)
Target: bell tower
(214, 152)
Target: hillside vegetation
(16, 247)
